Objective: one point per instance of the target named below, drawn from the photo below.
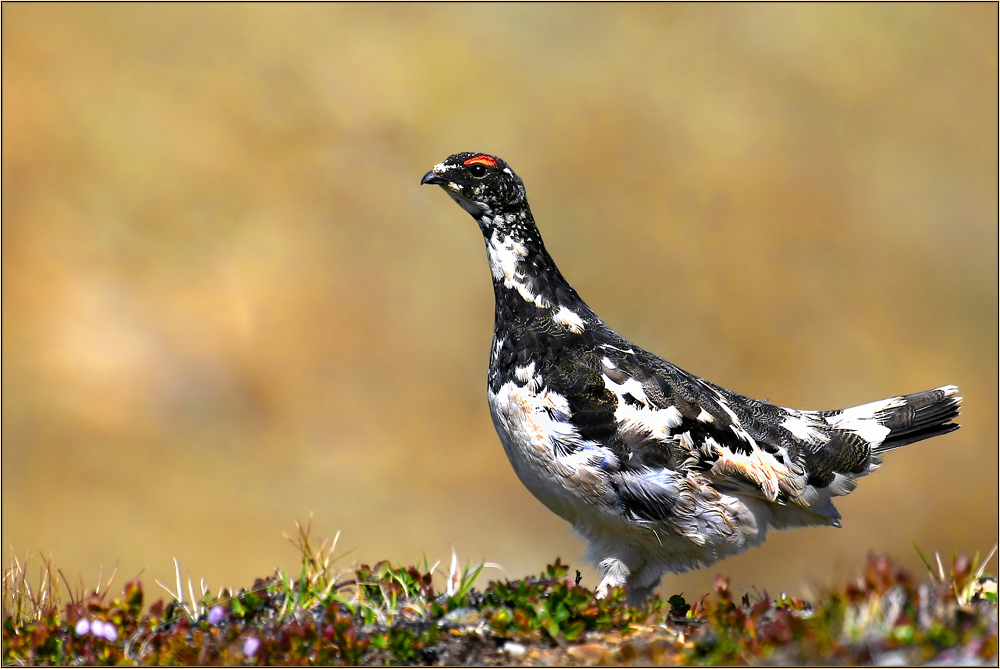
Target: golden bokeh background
(227, 303)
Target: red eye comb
(481, 160)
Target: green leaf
(574, 630)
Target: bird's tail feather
(920, 416)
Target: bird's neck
(526, 282)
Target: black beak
(431, 178)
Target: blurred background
(227, 303)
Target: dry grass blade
(986, 561)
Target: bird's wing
(665, 424)
(669, 429)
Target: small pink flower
(82, 627)
(216, 614)
(101, 629)
(250, 646)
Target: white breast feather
(559, 467)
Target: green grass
(394, 614)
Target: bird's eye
(478, 171)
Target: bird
(656, 469)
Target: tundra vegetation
(424, 615)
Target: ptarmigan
(656, 469)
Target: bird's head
(481, 184)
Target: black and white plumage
(656, 469)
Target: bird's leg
(643, 582)
(614, 574)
